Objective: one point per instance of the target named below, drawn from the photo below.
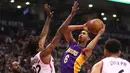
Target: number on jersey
(121, 71)
(37, 69)
(66, 58)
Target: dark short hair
(113, 46)
(90, 34)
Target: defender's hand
(75, 8)
(48, 11)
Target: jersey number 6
(66, 58)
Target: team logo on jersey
(74, 52)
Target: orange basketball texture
(95, 25)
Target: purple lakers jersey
(72, 59)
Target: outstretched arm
(88, 50)
(67, 32)
(45, 29)
(62, 29)
(78, 27)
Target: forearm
(64, 26)
(48, 50)
(44, 33)
(92, 44)
(76, 27)
(45, 28)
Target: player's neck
(82, 44)
(114, 55)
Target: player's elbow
(47, 51)
(70, 28)
(62, 30)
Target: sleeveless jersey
(72, 59)
(39, 67)
(115, 65)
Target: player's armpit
(87, 53)
(97, 68)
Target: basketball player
(43, 61)
(77, 52)
(112, 63)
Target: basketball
(95, 25)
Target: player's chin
(81, 40)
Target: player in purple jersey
(77, 52)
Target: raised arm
(78, 27)
(45, 29)
(67, 32)
(91, 45)
(75, 27)
(62, 29)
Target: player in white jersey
(112, 63)
(42, 62)
(40, 67)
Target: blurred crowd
(13, 43)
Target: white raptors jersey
(115, 65)
(39, 67)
